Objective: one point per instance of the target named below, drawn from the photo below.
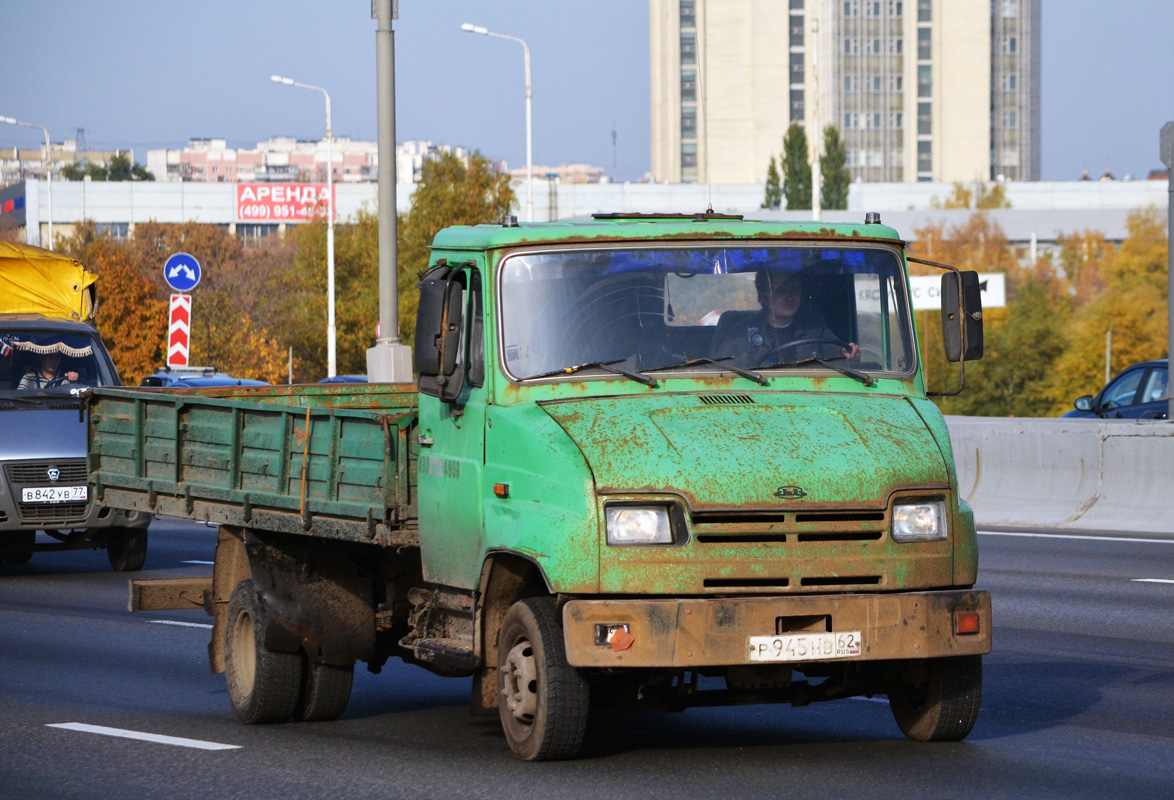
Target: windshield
(40, 362)
(767, 308)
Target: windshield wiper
(867, 380)
(606, 366)
(717, 362)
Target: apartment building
(920, 90)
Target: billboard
(281, 202)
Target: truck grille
(36, 473)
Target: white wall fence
(1073, 474)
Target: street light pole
(470, 28)
(331, 339)
(48, 167)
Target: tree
(981, 198)
(774, 189)
(1126, 294)
(833, 193)
(236, 289)
(796, 169)
(449, 193)
(119, 169)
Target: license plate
(54, 494)
(805, 646)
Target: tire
(325, 691)
(263, 685)
(944, 706)
(127, 549)
(25, 541)
(543, 701)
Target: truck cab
(706, 445)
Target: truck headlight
(919, 521)
(638, 525)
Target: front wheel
(127, 549)
(263, 685)
(938, 700)
(544, 701)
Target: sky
(145, 74)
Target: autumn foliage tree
(449, 193)
(230, 307)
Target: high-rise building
(920, 90)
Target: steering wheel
(800, 342)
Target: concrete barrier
(1066, 473)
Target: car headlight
(919, 521)
(638, 525)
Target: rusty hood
(763, 450)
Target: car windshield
(684, 308)
(40, 362)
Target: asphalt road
(1078, 702)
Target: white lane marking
(205, 563)
(884, 700)
(1076, 536)
(178, 741)
(1152, 580)
(180, 624)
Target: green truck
(663, 460)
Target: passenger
(782, 331)
(47, 373)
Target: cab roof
(654, 227)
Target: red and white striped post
(179, 330)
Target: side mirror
(962, 316)
(438, 335)
(1083, 403)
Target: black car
(1141, 391)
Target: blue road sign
(182, 272)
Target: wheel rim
(520, 683)
(244, 652)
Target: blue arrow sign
(182, 272)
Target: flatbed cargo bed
(242, 456)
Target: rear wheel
(23, 541)
(127, 549)
(938, 702)
(325, 692)
(264, 685)
(543, 700)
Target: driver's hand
(851, 351)
(71, 377)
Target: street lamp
(331, 358)
(48, 167)
(470, 28)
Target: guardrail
(1066, 473)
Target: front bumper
(75, 515)
(702, 632)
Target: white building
(920, 90)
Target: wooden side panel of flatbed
(327, 461)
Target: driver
(763, 338)
(47, 373)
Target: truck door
(451, 468)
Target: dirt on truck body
(641, 452)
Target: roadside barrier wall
(1071, 474)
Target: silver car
(45, 365)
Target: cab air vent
(727, 399)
